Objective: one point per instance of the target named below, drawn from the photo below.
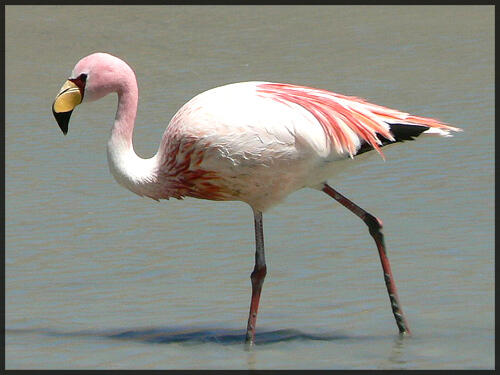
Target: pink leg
(257, 277)
(375, 227)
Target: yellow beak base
(68, 98)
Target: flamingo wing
(352, 124)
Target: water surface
(99, 278)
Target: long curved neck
(128, 97)
(136, 174)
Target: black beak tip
(62, 119)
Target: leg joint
(374, 223)
(258, 274)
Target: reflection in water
(251, 360)
(197, 336)
(397, 353)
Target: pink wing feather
(334, 111)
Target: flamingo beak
(68, 98)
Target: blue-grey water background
(99, 278)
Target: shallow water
(99, 278)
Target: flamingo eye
(80, 82)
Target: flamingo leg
(257, 277)
(375, 227)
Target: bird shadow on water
(192, 335)
(230, 338)
(220, 336)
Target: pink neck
(128, 96)
(136, 174)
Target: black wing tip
(406, 132)
(400, 132)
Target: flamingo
(255, 142)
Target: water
(99, 278)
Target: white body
(263, 149)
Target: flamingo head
(93, 77)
